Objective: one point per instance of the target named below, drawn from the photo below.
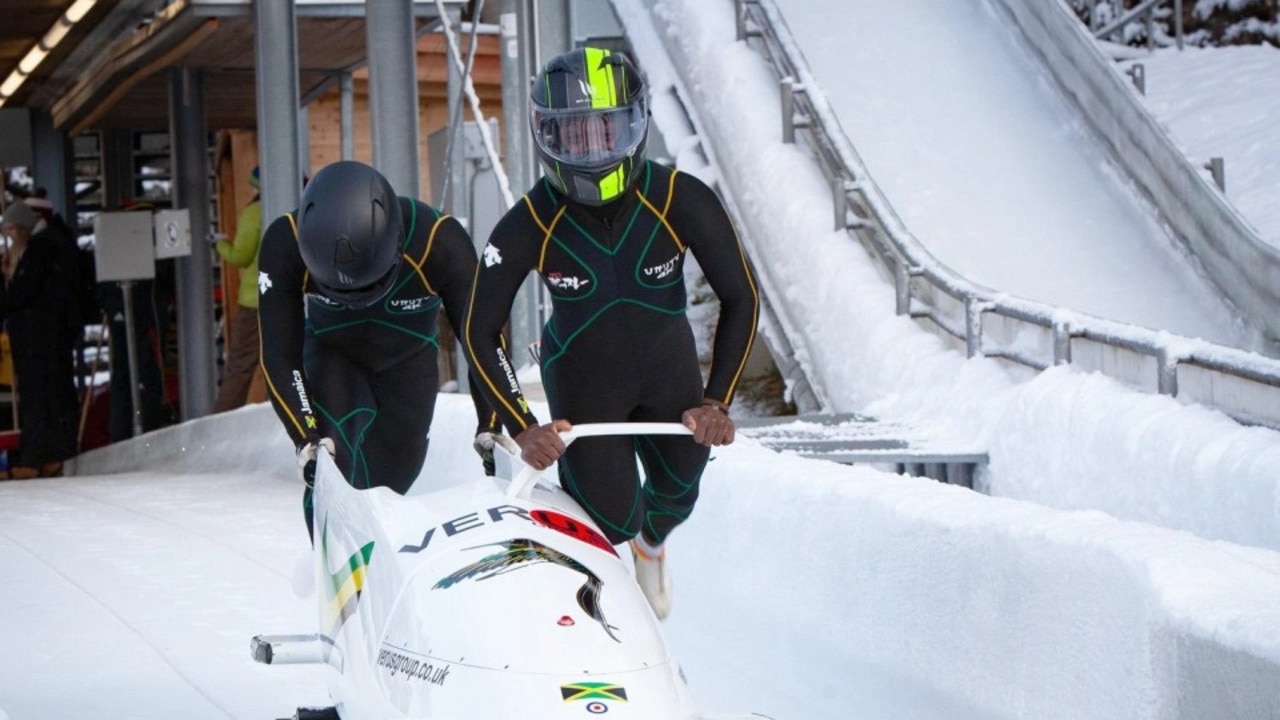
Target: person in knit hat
(20, 216)
(33, 298)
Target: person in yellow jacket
(242, 356)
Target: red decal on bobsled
(572, 528)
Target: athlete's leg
(405, 398)
(599, 472)
(673, 464)
(344, 406)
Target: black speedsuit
(367, 378)
(618, 346)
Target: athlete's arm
(450, 268)
(702, 222)
(512, 251)
(281, 317)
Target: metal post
(973, 309)
(1093, 14)
(455, 187)
(1177, 22)
(553, 28)
(515, 89)
(189, 140)
(740, 18)
(131, 341)
(346, 111)
(276, 44)
(788, 110)
(304, 142)
(1218, 168)
(393, 92)
(1137, 72)
(902, 288)
(1150, 22)
(1061, 343)
(519, 64)
(53, 165)
(1167, 377)
(840, 201)
(457, 190)
(117, 148)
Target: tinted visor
(590, 137)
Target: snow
(1124, 565)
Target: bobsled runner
(492, 599)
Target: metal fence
(983, 321)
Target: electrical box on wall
(173, 233)
(123, 246)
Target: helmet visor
(590, 137)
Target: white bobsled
(494, 599)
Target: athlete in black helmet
(607, 231)
(349, 287)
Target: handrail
(1243, 385)
(1148, 9)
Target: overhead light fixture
(40, 50)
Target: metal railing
(1147, 11)
(1027, 334)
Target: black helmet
(590, 121)
(351, 233)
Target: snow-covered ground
(1221, 102)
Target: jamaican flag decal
(342, 588)
(593, 691)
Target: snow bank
(1005, 606)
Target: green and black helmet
(590, 121)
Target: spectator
(242, 355)
(75, 267)
(34, 298)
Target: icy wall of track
(1244, 267)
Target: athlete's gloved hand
(483, 445)
(540, 445)
(307, 459)
(710, 423)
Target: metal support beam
(189, 140)
(519, 66)
(457, 192)
(276, 43)
(347, 105)
(53, 169)
(393, 93)
(117, 169)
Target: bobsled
(491, 599)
